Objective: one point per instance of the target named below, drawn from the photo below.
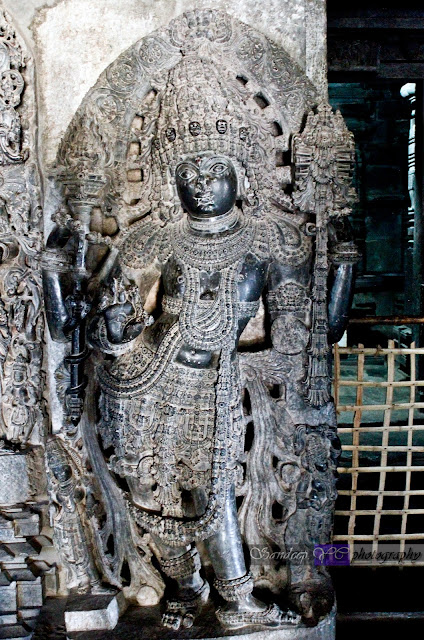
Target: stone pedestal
(22, 568)
(88, 613)
(144, 623)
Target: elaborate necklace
(217, 224)
(212, 251)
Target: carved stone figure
(200, 203)
(67, 512)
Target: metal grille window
(381, 425)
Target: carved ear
(299, 439)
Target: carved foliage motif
(91, 529)
(295, 466)
(11, 87)
(21, 323)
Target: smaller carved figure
(67, 509)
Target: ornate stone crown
(203, 111)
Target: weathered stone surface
(21, 581)
(20, 574)
(8, 619)
(15, 631)
(14, 483)
(26, 524)
(7, 531)
(22, 550)
(30, 594)
(86, 613)
(5, 554)
(8, 597)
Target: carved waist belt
(172, 304)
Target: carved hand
(116, 318)
(123, 312)
(340, 230)
(343, 249)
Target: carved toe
(270, 618)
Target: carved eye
(186, 172)
(219, 168)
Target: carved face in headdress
(206, 184)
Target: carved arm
(344, 255)
(57, 283)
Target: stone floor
(144, 624)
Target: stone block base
(7, 632)
(144, 623)
(89, 613)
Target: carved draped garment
(174, 427)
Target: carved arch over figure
(111, 134)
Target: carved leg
(183, 565)
(310, 590)
(233, 582)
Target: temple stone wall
(74, 40)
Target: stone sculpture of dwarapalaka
(175, 395)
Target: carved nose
(201, 182)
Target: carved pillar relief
(22, 413)
(21, 321)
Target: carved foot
(253, 613)
(99, 589)
(182, 610)
(313, 599)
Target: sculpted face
(207, 185)
(62, 471)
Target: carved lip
(205, 199)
